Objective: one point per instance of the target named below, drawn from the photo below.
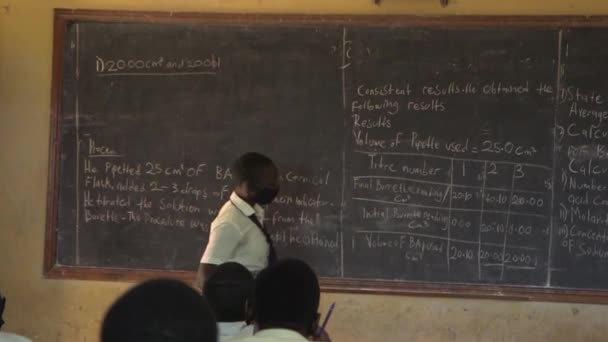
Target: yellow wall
(52, 310)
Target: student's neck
(244, 197)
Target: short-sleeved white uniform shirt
(234, 237)
(275, 335)
(8, 337)
(233, 331)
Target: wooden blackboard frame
(63, 16)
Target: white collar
(8, 337)
(244, 207)
(282, 334)
(232, 328)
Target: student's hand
(323, 337)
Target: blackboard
(438, 156)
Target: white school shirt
(235, 238)
(8, 337)
(233, 331)
(275, 335)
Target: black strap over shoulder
(272, 253)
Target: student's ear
(252, 188)
(247, 189)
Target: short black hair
(247, 167)
(161, 310)
(227, 290)
(287, 295)
(2, 304)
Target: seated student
(160, 311)
(286, 301)
(228, 290)
(8, 337)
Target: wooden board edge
(62, 16)
(50, 239)
(496, 292)
(353, 286)
(116, 274)
(397, 20)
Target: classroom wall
(65, 310)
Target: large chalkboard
(450, 156)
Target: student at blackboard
(286, 303)
(8, 337)
(238, 233)
(161, 310)
(229, 290)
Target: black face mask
(265, 195)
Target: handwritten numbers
(518, 171)
(491, 169)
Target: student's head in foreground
(160, 310)
(2, 304)
(286, 296)
(228, 290)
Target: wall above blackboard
(444, 156)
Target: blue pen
(322, 327)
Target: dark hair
(248, 167)
(227, 290)
(2, 304)
(160, 310)
(287, 295)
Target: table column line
(504, 244)
(449, 190)
(483, 186)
